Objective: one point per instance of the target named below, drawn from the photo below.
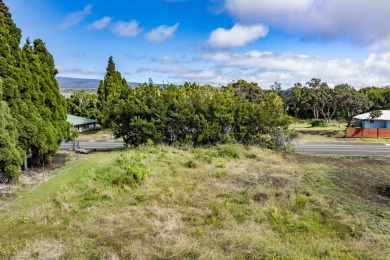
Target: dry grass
(335, 137)
(99, 134)
(226, 202)
(331, 134)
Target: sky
(214, 41)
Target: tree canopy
(31, 102)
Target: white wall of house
(84, 128)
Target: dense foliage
(83, 104)
(33, 113)
(199, 115)
(317, 100)
(112, 89)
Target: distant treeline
(32, 111)
(317, 100)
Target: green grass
(224, 202)
(98, 134)
(307, 126)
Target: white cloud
(79, 54)
(100, 24)
(257, 9)
(132, 56)
(129, 29)
(189, 74)
(80, 71)
(364, 22)
(165, 60)
(238, 36)
(289, 68)
(75, 18)
(162, 33)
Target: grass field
(98, 134)
(225, 202)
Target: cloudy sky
(215, 41)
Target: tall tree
(248, 92)
(351, 101)
(31, 92)
(112, 89)
(276, 87)
(10, 155)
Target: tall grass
(224, 202)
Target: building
(371, 127)
(82, 124)
(381, 122)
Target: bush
(318, 123)
(190, 164)
(129, 172)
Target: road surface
(93, 145)
(362, 149)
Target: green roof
(77, 120)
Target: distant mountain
(66, 83)
(75, 83)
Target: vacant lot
(225, 202)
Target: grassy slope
(227, 202)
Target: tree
(375, 114)
(248, 92)
(379, 97)
(83, 104)
(276, 87)
(200, 115)
(316, 96)
(351, 101)
(31, 94)
(10, 155)
(112, 89)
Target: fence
(368, 132)
(4, 177)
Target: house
(82, 124)
(380, 122)
(378, 127)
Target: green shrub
(131, 176)
(190, 164)
(318, 123)
(221, 164)
(300, 202)
(220, 174)
(129, 172)
(228, 151)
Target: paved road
(93, 145)
(362, 149)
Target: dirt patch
(383, 190)
(34, 175)
(277, 182)
(332, 160)
(366, 177)
(327, 133)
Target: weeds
(158, 202)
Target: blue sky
(215, 41)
